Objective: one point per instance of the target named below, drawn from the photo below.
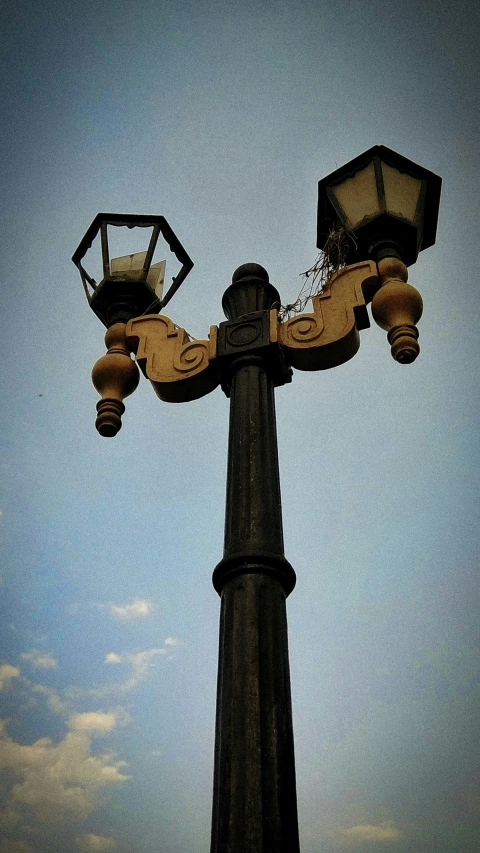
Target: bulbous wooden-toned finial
(397, 308)
(115, 376)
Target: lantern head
(131, 284)
(385, 205)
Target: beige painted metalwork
(329, 336)
(115, 376)
(181, 369)
(397, 308)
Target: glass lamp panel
(156, 278)
(134, 263)
(358, 196)
(402, 192)
(128, 262)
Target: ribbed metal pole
(254, 798)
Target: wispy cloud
(370, 833)
(141, 664)
(138, 608)
(91, 842)
(7, 671)
(40, 660)
(156, 752)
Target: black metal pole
(254, 797)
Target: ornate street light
(382, 210)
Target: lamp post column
(254, 798)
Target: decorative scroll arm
(329, 336)
(180, 369)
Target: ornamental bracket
(329, 336)
(181, 369)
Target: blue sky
(223, 116)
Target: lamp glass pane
(402, 192)
(156, 278)
(128, 262)
(134, 263)
(358, 196)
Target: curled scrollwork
(190, 356)
(305, 328)
(179, 369)
(330, 334)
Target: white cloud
(370, 833)
(172, 641)
(93, 721)
(53, 782)
(113, 657)
(138, 607)
(41, 660)
(140, 662)
(91, 842)
(6, 673)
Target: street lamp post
(254, 796)
(374, 216)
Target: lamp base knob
(404, 343)
(115, 376)
(397, 308)
(109, 417)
